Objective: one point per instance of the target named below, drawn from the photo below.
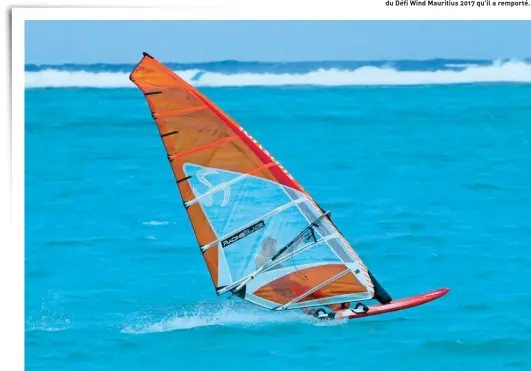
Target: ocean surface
(425, 166)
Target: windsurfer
(335, 313)
(269, 248)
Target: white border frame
(13, 207)
(290, 10)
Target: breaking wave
(498, 72)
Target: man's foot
(360, 308)
(322, 314)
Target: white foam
(50, 78)
(155, 222)
(508, 72)
(511, 71)
(228, 315)
(460, 65)
(50, 322)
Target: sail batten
(298, 251)
(206, 146)
(178, 112)
(265, 216)
(245, 207)
(331, 300)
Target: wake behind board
(394, 305)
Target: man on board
(269, 249)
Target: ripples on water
(431, 185)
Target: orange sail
(261, 234)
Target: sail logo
(207, 198)
(243, 233)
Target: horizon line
(299, 61)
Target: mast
(380, 293)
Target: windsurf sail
(261, 234)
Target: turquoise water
(429, 183)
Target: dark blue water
(429, 183)
(302, 67)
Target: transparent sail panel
(319, 253)
(238, 200)
(324, 228)
(224, 274)
(250, 252)
(205, 180)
